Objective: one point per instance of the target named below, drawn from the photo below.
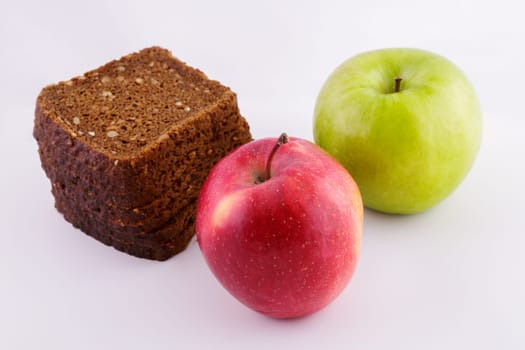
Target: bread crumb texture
(128, 146)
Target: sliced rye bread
(128, 146)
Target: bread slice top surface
(127, 105)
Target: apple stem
(397, 84)
(280, 141)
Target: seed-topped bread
(128, 146)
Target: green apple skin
(408, 149)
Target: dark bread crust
(159, 245)
(143, 202)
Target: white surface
(451, 278)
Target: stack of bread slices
(128, 146)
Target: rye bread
(128, 146)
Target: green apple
(406, 124)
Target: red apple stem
(397, 84)
(280, 141)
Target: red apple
(279, 223)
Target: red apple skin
(288, 246)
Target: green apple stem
(280, 141)
(397, 84)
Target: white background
(450, 278)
